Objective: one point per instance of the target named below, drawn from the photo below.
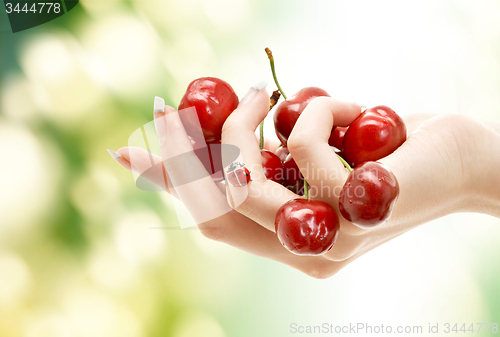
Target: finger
(148, 165)
(193, 184)
(262, 202)
(308, 144)
(239, 129)
(260, 199)
(119, 158)
(270, 144)
(413, 121)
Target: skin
(441, 170)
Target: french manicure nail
(362, 106)
(254, 89)
(115, 155)
(159, 105)
(259, 85)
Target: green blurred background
(79, 252)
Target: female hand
(434, 168)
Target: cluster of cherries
(303, 226)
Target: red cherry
(368, 195)
(306, 227)
(282, 153)
(288, 111)
(272, 165)
(337, 137)
(292, 175)
(214, 100)
(375, 134)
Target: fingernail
(362, 106)
(254, 89)
(259, 85)
(159, 105)
(115, 155)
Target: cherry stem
(272, 102)
(261, 143)
(271, 61)
(306, 190)
(347, 166)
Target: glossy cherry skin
(214, 100)
(292, 175)
(375, 134)
(272, 165)
(307, 227)
(288, 111)
(337, 137)
(368, 195)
